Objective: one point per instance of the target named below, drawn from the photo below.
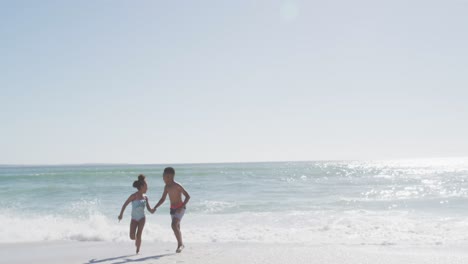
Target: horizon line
(219, 162)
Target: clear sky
(213, 81)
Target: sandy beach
(122, 252)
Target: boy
(175, 191)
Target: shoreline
(71, 252)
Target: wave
(318, 228)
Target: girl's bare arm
(130, 198)
(147, 205)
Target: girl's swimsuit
(138, 209)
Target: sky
(113, 81)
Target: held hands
(153, 210)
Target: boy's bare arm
(163, 198)
(186, 195)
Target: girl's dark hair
(140, 182)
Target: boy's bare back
(175, 191)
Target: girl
(139, 201)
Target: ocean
(397, 202)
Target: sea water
(399, 202)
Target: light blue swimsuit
(138, 209)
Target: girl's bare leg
(141, 225)
(133, 228)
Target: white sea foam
(320, 228)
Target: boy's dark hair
(169, 170)
(140, 182)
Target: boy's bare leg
(181, 246)
(176, 228)
(141, 225)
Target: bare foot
(137, 244)
(179, 249)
